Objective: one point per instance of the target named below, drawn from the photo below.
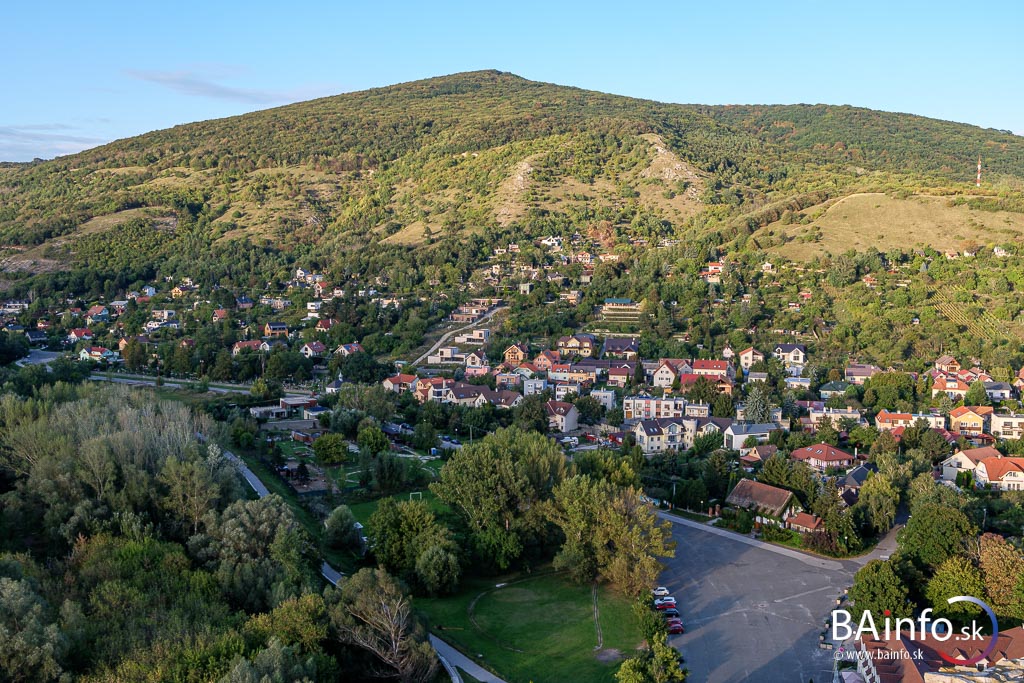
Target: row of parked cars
(666, 605)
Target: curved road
(447, 335)
(447, 653)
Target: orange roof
(806, 521)
(996, 468)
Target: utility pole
(978, 182)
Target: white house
(968, 460)
(737, 433)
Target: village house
(98, 354)
(97, 314)
(534, 386)
(836, 415)
(313, 349)
(1007, 426)
(886, 421)
(476, 359)
(953, 387)
(830, 389)
(268, 345)
(620, 347)
(240, 346)
(736, 435)
(900, 658)
(1001, 473)
(275, 329)
(998, 391)
(966, 461)
(805, 523)
(969, 420)
(582, 345)
(219, 315)
(446, 355)
(756, 455)
(562, 417)
(325, 324)
(619, 377)
(79, 334)
(477, 337)
(660, 435)
(719, 369)
(399, 383)
(546, 359)
(467, 395)
(515, 354)
(947, 365)
(823, 457)
(605, 397)
(859, 373)
(648, 408)
(770, 504)
(749, 356)
(791, 354)
(346, 350)
(563, 389)
(431, 389)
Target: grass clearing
(538, 628)
(363, 511)
(860, 221)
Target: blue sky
(78, 74)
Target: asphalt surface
(456, 658)
(751, 613)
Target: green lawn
(362, 511)
(538, 629)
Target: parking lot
(751, 613)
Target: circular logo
(991, 643)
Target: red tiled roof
(821, 451)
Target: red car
(664, 605)
(675, 627)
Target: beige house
(750, 356)
(968, 460)
(562, 417)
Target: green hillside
(455, 165)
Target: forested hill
(470, 158)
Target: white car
(668, 600)
(659, 592)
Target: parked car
(675, 627)
(659, 592)
(667, 601)
(671, 613)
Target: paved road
(37, 357)
(219, 387)
(334, 576)
(447, 335)
(752, 611)
(463, 662)
(811, 560)
(326, 570)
